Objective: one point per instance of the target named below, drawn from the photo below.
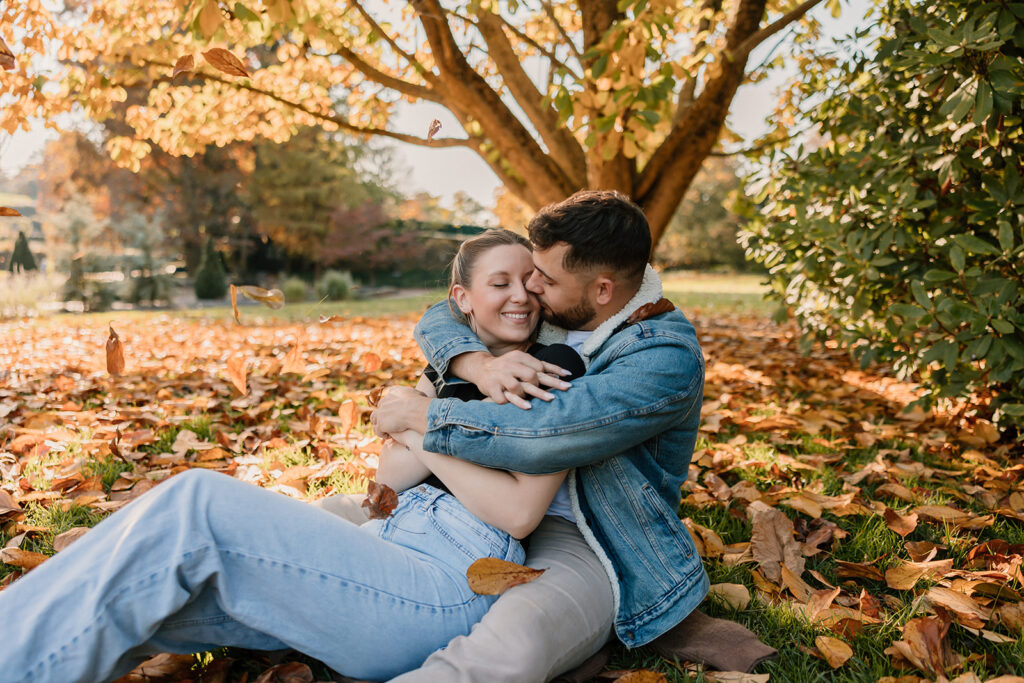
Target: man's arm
(638, 396)
(457, 354)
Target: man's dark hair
(603, 229)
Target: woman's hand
(512, 377)
(401, 408)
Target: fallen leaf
(640, 676)
(236, 368)
(942, 513)
(184, 64)
(292, 672)
(900, 524)
(735, 595)
(735, 677)
(435, 126)
(7, 62)
(858, 570)
(26, 559)
(925, 645)
(348, 412)
(115, 354)
(796, 585)
(224, 61)
(772, 542)
(921, 551)
(491, 576)
(835, 651)
(371, 362)
(966, 611)
(293, 363)
(62, 541)
(819, 601)
(903, 576)
(380, 500)
(164, 666)
(8, 506)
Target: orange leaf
(162, 667)
(491, 576)
(62, 541)
(925, 646)
(7, 211)
(7, 62)
(371, 362)
(381, 500)
(903, 577)
(835, 651)
(966, 611)
(185, 63)
(234, 303)
(292, 672)
(636, 676)
(115, 354)
(26, 559)
(237, 372)
(224, 61)
(272, 298)
(435, 126)
(349, 414)
(293, 363)
(209, 18)
(901, 524)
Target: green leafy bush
(335, 285)
(210, 281)
(901, 235)
(295, 289)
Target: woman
(204, 560)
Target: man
(627, 427)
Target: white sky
(442, 172)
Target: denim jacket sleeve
(441, 338)
(653, 383)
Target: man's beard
(571, 319)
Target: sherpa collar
(649, 292)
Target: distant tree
(902, 236)
(21, 257)
(210, 281)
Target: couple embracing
(496, 455)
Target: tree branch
(423, 71)
(550, 11)
(377, 76)
(689, 88)
(550, 54)
(757, 148)
(771, 29)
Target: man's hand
(400, 408)
(510, 377)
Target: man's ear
(604, 290)
(461, 297)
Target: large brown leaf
(224, 61)
(291, 672)
(925, 645)
(903, 576)
(835, 651)
(115, 354)
(26, 559)
(7, 62)
(772, 542)
(491, 576)
(380, 500)
(900, 524)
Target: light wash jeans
(205, 560)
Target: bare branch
(771, 29)
(757, 148)
(377, 76)
(550, 54)
(423, 71)
(768, 56)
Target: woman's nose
(519, 293)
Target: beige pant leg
(345, 506)
(537, 630)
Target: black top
(562, 355)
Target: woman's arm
(398, 467)
(510, 501)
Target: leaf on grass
(236, 369)
(8, 506)
(115, 353)
(903, 576)
(921, 551)
(900, 524)
(62, 541)
(835, 651)
(735, 677)
(925, 645)
(380, 500)
(234, 302)
(1011, 616)
(966, 611)
(271, 298)
(635, 676)
(772, 542)
(435, 126)
(7, 62)
(293, 362)
(224, 61)
(796, 585)
(9, 212)
(491, 576)
(735, 595)
(371, 362)
(858, 570)
(184, 64)
(164, 666)
(942, 513)
(819, 601)
(292, 672)
(26, 559)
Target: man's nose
(534, 283)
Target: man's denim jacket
(628, 427)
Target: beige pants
(534, 631)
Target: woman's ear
(461, 297)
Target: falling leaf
(735, 595)
(209, 18)
(903, 576)
(900, 524)
(272, 298)
(26, 559)
(349, 414)
(772, 542)
(115, 354)
(835, 651)
(7, 62)
(62, 541)
(236, 368)
(291, 672)
(184, 64)
(234, 302)
(8, 211)
(293, 362)
(491, 576)
(380, 500)
(224, 61)
(435, 126)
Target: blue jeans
(204, 560)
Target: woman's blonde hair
(471, 250)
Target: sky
(443, 172)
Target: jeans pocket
(470, 536)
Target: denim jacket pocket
(666, 532)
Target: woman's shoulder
(562, 355)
